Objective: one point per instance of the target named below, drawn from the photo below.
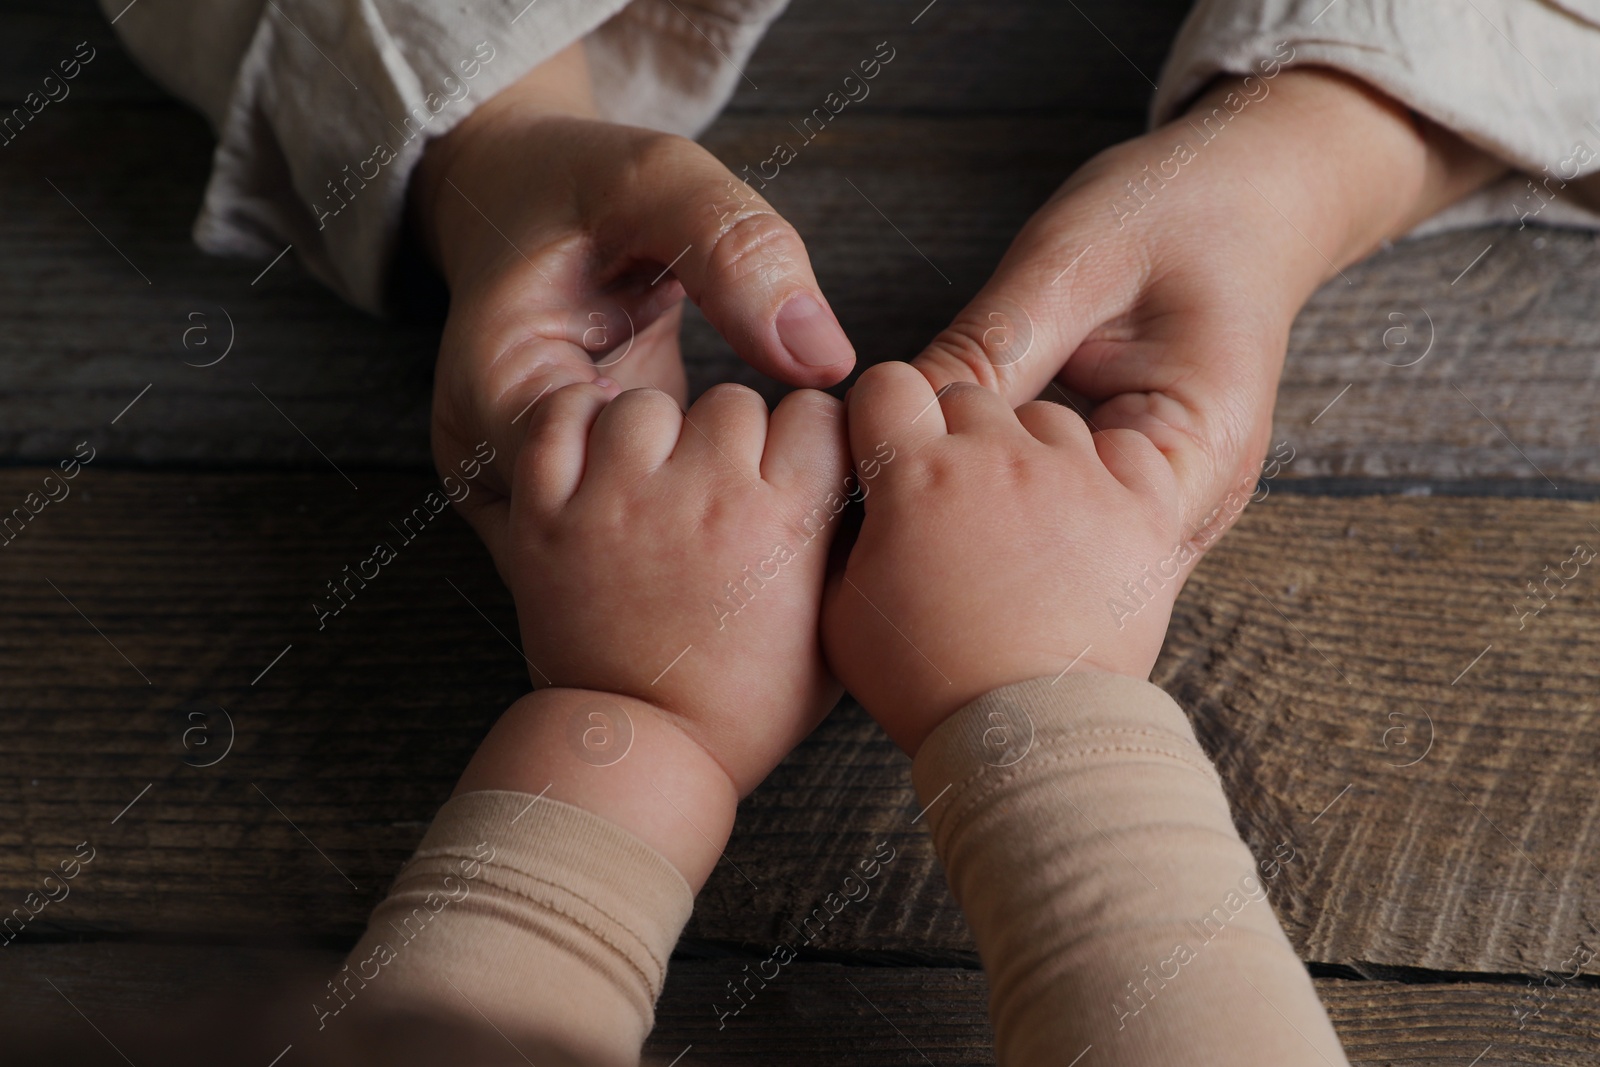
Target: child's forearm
(621, 759)
(1114, 906)
(548, 893)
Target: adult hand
(569, 243)
(1160, 282)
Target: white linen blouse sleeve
(322, 108)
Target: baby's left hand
(678, 559)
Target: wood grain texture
(1491, 372)
(816, 1013)
(870, 1016)
(347, 744)
(1372, 644)
(1479, 857)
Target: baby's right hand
(998, 547)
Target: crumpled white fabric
(323, 107)
(302, 93)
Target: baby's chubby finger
(807, 448)
(1055, 424)
(893, 404)
(724, 431)
(631, 437)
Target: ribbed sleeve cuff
(569, 862)
(542, 917)
(989, 743)
(1089, 842)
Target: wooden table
(1350, 654)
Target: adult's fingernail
(811, 333)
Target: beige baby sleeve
(539, 918)
(1115, 907)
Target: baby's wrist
(623, 759)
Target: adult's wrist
(621, 758)
(447, 223)
(1349, 166)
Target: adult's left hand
(1161, 280)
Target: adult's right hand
(568, 244)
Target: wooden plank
(1017, 57)
(1357, 669)
(1457, 367)
(122, 982)
(201, 584)
(1479, 857)
(1450, 1024)
(1020, 57)
(87, 332)
(826, 1013)
(820, 1013)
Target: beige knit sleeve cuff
(986, 742)
(1089, 843)
(547, 920)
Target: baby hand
(678, 558)
(998, 547)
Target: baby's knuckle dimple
(935, 472)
